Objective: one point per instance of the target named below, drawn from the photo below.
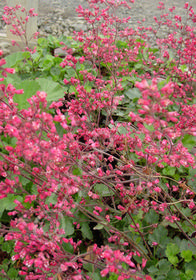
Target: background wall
(58, 17)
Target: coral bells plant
(4, 70)
(17, 17)
(101, 184)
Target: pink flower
(63, 267)
(97, 208)
(142, 85)
(118, 218)
(191, 205)
(10, 70)
(19, 91)
(144, 261)
(2, 60)
(147, 277)
(157, 189)
(42, 95)
(81, 59)
(14, 43)
(104, 272)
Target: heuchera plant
(17, 17)
(92, 190)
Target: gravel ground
(59, 17)
(140, 9)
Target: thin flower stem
(106, 224)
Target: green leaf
(153, 269)
(149, 127)
(30, 88)
(159, 235)
(72, 89)
(173, 260)
(187, 245)
(189, 274)
(122, 130)
(86, 231)
(163, 82)
(7, 203)
(13, 141)
(173, 274)
(34, 190)
(185, 225)
(191, 266)
(88, 86)
(51, 199)
(79, 67)
(54, 71)
(184, 68)
(14, 58)
(172, 249)
(7, 247)
(12, 273)
(60, 130)
(121, 45)
(6, 261)
(53, 41)
(132, 93)
(98, 227)
(113, 276)
(183, 276)
(57, 61)
(47, 64)
(68, 247)
(169, 171)
(102, 190)
(28, 186)
(24, 181)
(48, 57)
(53, 89)
(1, 240)
(189, 141)
(164, 266)
(187, 255)
(46, 226)
(70, 72)
(3, 267)
(138, 66)
(67, 225)
(88, 267)
(95, 276)
(77, 171)
(151, 217)
(192, 178)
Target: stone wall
(58, 17)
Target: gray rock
(48, 29)
(79, 26)
(60, 52)
(58, 17)
(5, 47)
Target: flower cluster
(17, 17)
(4, 70)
